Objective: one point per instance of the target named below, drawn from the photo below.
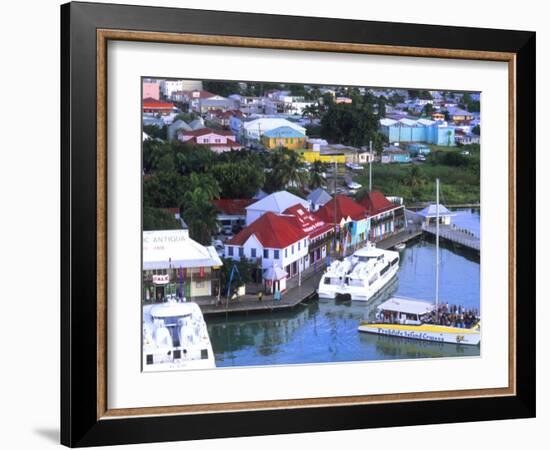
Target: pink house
(218, 140)
(151, 90)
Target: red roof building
(218, 140)
(345, 210)
(310, 224)
(233, 206)
(376, 203)
(150, 105)
(271, 231)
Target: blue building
(393, 154)
(417, 130)
(418, 148)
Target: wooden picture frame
(85, 417)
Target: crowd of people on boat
(448, 315)
(454, 316)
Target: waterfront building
(350, 219)
(394, 154)
(385, 216)
(276, 202)
(429, 215)
(273, 241)
(283, 137)
(417, 130)
(319, 233)
(218, 141)
(173, 263)
(150, 105)
(318, 198)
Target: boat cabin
(403, 311)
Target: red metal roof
(272, 231)
(151, 103)
(311, 225)
(375, 203)
(204, 131)
(233, 206)
(345, 207)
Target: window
(230, 251)
(291, 140)
(286, 252)
(293, 249)
(275, 254)
(266, 253)
(299, 242)
(241, 252)
(252, 252)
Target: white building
(276, 242)
(277, 203)
(173, 263)
(254, 129)
(168, 87)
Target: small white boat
(400, 247)
(360, 276)
(175, 337)
(413, 319)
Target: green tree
(155, 132)
(241, 179)
(163, 189)
(476, 130)
(316, 179)
(200, 215)
(159, 219)
(223, 88)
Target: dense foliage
(458, 173)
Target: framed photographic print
(277, 224)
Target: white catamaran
(361, 275)
(416, 319)
(175, 337)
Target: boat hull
(366, 294)
(425, 332)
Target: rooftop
(345, 207)
(272, 231)
(278, 202)
(376, 203)
(233, 206)
(407, 306)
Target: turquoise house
(417, 130)
(418, 148)
(395, 155)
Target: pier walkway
(455, 235)
(249, 303)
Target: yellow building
(284, 137)
(312, 156)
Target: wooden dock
(455, 235)
(250, 303)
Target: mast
(437, 247)
(370, 166)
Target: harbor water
(326, 330)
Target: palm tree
(315, 175)
(207, 183)
(200, 215)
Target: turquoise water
(326, 330)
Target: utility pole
(370, 167)
(437, 249)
